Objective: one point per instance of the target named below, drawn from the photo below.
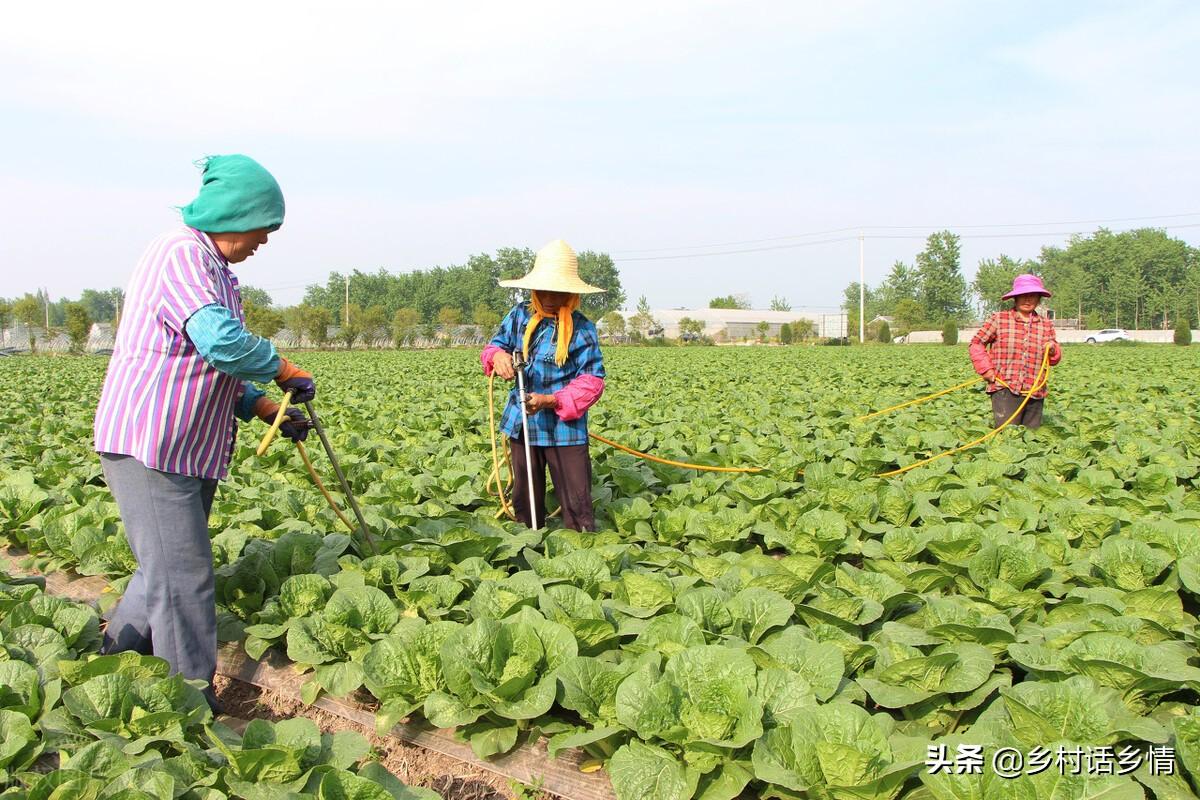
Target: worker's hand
(295, 380)
(502, 365)
(538, 402)
(990, 376)
(295, 425)
(1055, 351)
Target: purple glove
(295, 380)
(295, 426)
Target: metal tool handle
(519, 365)
(341, 476)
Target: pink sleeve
(486, 357)
(980, 359)
(578, 396)
(1056, 353)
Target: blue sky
(406, 136)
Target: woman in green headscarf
(182, 368)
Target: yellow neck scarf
(566, 326)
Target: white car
(1108, 335)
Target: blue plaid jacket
(543, 376)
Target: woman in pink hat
(1009, 347)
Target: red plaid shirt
(1012, 345)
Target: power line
(864, 228)
(1038, 234)
(748, 250)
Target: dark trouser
(169, 608)
(1005, 403)
(571, 471)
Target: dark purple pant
(1005, 404)
(571, 471)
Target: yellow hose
(1042, 377)
(498, 487)
(320, 485)
(929, 397)
(668, 462)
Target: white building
(738, 323)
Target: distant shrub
(884, 334)
(950, 332)
(1183, 330)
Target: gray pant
(1004, 403)
(169, 608)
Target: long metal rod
(520, 365)
(337, 470)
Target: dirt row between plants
(417, 753)
(414, 765)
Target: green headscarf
(236, 195)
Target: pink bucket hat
(1027, 284)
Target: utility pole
(862, 291)
(346, 307)
(46, 297)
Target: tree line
(1140, 279)
(382, 306)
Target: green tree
(803, 329)
(994, 278)
(314, 324)
(487, 318)
(785, 333)
(374, 325)
(599, 270)
(449, 316)
(690, 327)
(28, 311)
(884, 334)
(762, 328)
(1133, 278)
(902, 283)
(351, 328)
(252, 294)
(850, 304)
(613, 324)
(261, 320)
(5, 313)
(404, 325)
(950, 332)
(1183, 330)
(943, 288)
(100, 306)
(293, 320)
(737, 301)
(909, 315)
(643, 320)
(79, 326)
(780, 303)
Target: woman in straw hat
(564, 377)
(1009, 347)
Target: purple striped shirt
(162, 403)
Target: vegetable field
(808, 632)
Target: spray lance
(519, 364)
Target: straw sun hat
(556, 269)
